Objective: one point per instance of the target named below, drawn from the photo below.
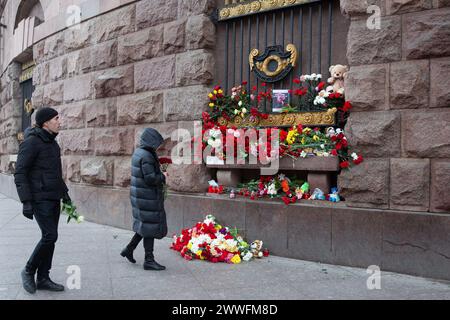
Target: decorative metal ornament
(274, 64)
(28, 107)
(309, 118)
(244, 8)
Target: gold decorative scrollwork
(20, 136)
(28, 106)
(254, 53)
(293, 50)
(264, 66)
(320, 118)
(283, 61)
(240, 9)
(222, 121)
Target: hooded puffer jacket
(147, 188)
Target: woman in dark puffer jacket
(147, 198)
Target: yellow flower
(215, 91)
(199, 254)
(218, 227)
(316, 138)
(291, 136)
(236, 259)
(189, 245)
(211, 105)
(220, 91)
(306, 130)
(303, 140)
(210, 95)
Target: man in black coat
(147, 198)
(41, 187)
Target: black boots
(49, 285)
(28, 281)
(30, 285)
(128, 253)
(151, 264)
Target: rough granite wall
(145, 64)
(399, 85)
(10, 115)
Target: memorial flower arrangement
(295, 142)
(288, 189)
(310, 93)
(240, 103)
(208, 240)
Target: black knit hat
(45, 114)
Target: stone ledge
(302, 164)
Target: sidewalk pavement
(106, 275)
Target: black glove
(28, 210)
(66, 198)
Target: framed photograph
(280, 99)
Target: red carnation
(358, 160)
(165, 160)
(347, 106)
(344, 164)
(321, 85)
(283, 135)
(297, 81)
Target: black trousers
(47, 215)
(148, 245)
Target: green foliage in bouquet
(70, 210)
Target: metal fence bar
(300, 31)
(330, 28)
(242, 51)
(234, 53)
(292, 41)
(257, 44)
(227, 37)
(249, 48)
(310, 40)
(274, 20)
(319, 48)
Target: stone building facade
(133, 64)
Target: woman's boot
(128, 251)
(150, 263)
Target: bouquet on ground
(209, 240)
(70, 210)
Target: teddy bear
(336, 81)
(257, 248)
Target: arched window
(29, 8)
